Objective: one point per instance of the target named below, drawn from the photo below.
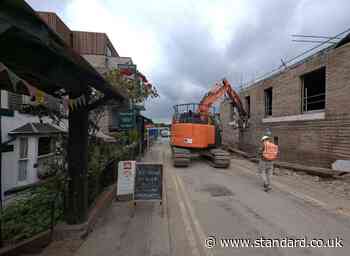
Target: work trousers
(265, 169)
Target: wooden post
(77, 197)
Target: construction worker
(267, 153)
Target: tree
(135, 89)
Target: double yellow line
(194, 231)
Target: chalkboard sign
(148, 182)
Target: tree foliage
(136, 91)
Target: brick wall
(229, 133)
(314, 142)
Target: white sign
(126, 177)
(188, 140)
(341, 165)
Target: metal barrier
(30, 212)
(38, 208)
(109, 175)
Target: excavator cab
(188, 113)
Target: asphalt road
(201, 202)
(230, 204)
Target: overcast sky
(185, 46)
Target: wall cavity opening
(247, 103)
(268, 101)
(314, 90)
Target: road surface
(201, 202)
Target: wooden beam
(98, 102)
(77, 198)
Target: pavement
(203, 205)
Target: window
(275, 140)
(15, 101)
(314, 90)
(23, 148)
(22, 170)
(268, 101)
(46, 146)
(108, 51)
(23, 161)
(247, 103)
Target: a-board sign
(126, 177)
(148, 181)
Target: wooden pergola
(36, 54)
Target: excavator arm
(218, 91)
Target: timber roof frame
(32, 50)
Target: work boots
(267, 187)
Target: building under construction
(305, 106)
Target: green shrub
(29, 213)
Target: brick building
(99, 51)
(306, 107)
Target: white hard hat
(265, 138)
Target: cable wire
(296, 57)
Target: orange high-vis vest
(270, 151)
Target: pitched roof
(345, 40)
(36, 128)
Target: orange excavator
(195, 129)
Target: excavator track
(218, 158)
(181, 157)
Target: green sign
(128, 66)
(6, 112)
(127, 120)
(6, 148)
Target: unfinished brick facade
(310, 137)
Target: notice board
(148, 182)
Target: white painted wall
(10, 159)
(4, 99)
(9, 164)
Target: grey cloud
(190, 56)
(254, 49)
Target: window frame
(248, 105)
(52, 150)
(23, 160)
(15, 101)
(267, 109)
(303, 105)
(23, 156)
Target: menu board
(148, 181)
